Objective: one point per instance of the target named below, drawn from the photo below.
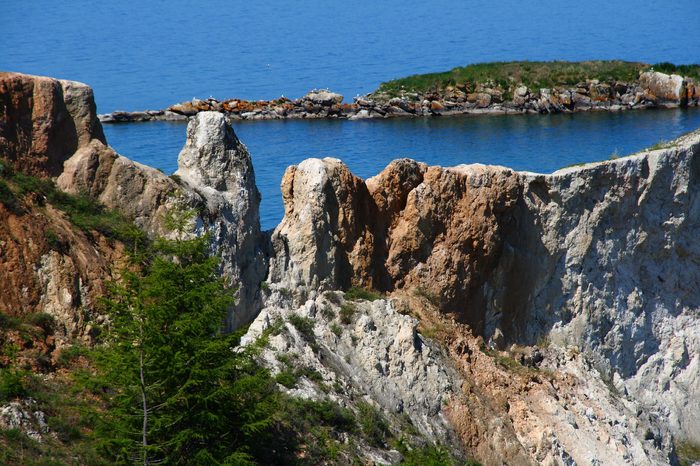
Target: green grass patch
(287, 378)
(427, 455)
(8, 198)
(688, 452)
(337, 330)
(82, 210)
(662, 144)
(8, 322)
(533, 74)
(304, 325)
(70, 354)
(374, 427)
(347, 311)
(507, 362)
(332, 297)
(42, 320)
(689, 71)
(356, 293)
(327, 312)
(12, 384)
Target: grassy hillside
(534, 74)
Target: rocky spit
(523, 318)
(651, 90)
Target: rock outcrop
(366, 351)
(47, 264)
(217, 167)
(601, 257)
(44, 121)
(49, 128)
(215, 178)
(662, 87)
(326, 210)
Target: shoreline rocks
(652, 90)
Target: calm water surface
(149, 54)
(531, 142)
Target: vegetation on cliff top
(82, 210)
(534, 74)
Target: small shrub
(543, 341)
(43, 361)
(373, 425)
(304, 325)
(347, 311)
(688, 452)
(508, 363)
(432, 298)
(275, 327)
(662, 144)
(11, 385)
(8, 322)
(42, 320)
(331, 414)
(337, 330)
(287, 378)
(332, 297)
(428, 455)
(8, 199)
(327, 312)
(310, 373)
(355, 293)
(53, 240)
(265, 287)
(285, 359)
(69, 354)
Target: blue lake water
(140, 55)
(525, 142)
(149, 54)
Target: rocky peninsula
(511, 317)
(489, 88)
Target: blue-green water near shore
(143, 55)
(541, 143)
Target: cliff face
(50, 129)
(44, 121)
(601, 257)
(46, 263)
(215, 179)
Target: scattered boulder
(323, 97)
(24, 416)
(662, 87)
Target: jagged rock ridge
(601, 257)
(50, 128)
(598, 260)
